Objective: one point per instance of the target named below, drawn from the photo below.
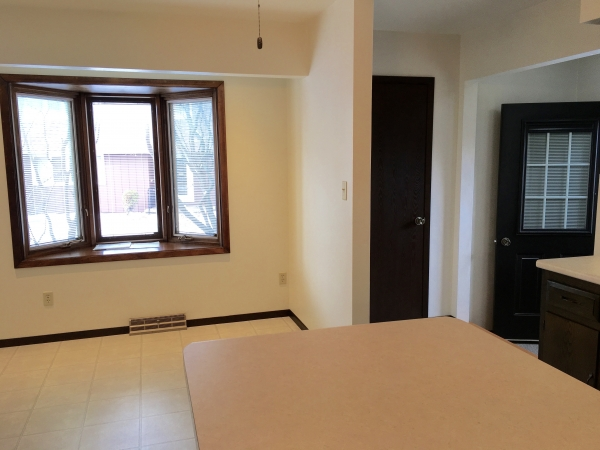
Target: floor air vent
(157, 324)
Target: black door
(547, 190)
(400, 194)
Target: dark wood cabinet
(569, 326)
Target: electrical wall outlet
(48, 298)
(283, 278)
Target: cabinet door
(571, 347)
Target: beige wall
(321, 145)
(590, 11)
(588, 89)
(104, 295)
(291, 143)
(577, 80)
(330, 142)
(143, 41)
(546, 33)
(361, 174)
(556, 83)
(431, 55)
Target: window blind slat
(558, 148)
(49, 172)
(193, 156)
(557, 165)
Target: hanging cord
(259, 40)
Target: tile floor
(112, 393)
(532, 348)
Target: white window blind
(124, 144)
(193, 156)
(49, 169)
(557, 180)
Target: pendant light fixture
(259, 40)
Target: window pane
(124, 143)
(555, 213)
(558, 148)
(49, 170)
(557, 181)
(533, 214)
(535, 181)
(536, 148)
(577, 213)
(194, 166)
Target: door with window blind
(547, 195)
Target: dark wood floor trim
(238, 318)
(30, 340)
(297, 321)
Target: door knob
(420, 220)
(506, 242)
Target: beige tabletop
(420, 384)
(585, 268)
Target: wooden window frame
(159, 155)
(170, 183)
(84, 91)
(72, 97)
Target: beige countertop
(417, 384)
(585, 268)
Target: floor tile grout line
(141, 389)
(97, 361)
(87, 404)
(287, 322)
(141, 418)
(187, 388)
(8, 362)
(178, 440)
(53, 431)
(170, 390)
(76, 364)
(267, 328)
(112, 421)
(36, 398)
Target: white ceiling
(435, 16)
(443, 16)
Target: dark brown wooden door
(402, 124)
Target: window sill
(87, 255)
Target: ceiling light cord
(259, 43)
